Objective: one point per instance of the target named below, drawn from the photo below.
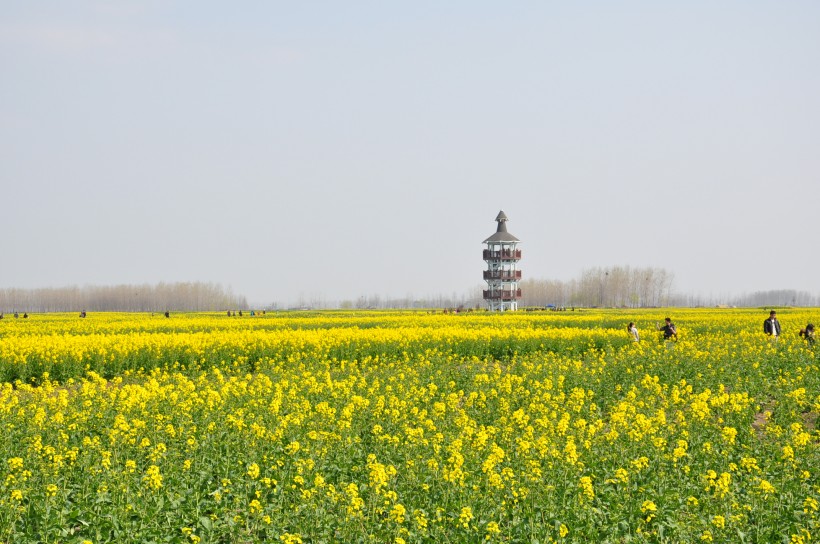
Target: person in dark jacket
(669, 330)
(808, 333)
(772, 326)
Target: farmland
(408, 427)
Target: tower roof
(501, 234)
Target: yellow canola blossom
(390, 426)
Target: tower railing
(510, 275)
(503, 255)
(503, 294)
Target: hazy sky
(338, 149)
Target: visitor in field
(808, 333)
(772, 326)
(633, 331)
(167, 314)
(669, 330)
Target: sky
(330, 150)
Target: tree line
(619, 286)
(190, 297)
(612, 287)
(776, 297)
(626, 287)
(603, 287)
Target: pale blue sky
(335, 149)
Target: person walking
(633, 331)
(772, 326)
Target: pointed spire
(502, 221)
(501, 234)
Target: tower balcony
(505, 294)
(503, 275)
(503, 255)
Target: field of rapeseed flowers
(408, 427)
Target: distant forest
(626, 287)
(613, 287)
(161, 297)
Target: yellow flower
(649, 508)
(152, 478)
(465, 517)
(255, 506)
(420, 518)
(15, 463)
(493, 529)
(587, 490)
(788, 453)
(802, 538)
(397, 513)
(641, 463)
(766, 488)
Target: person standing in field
(633, 331)
(808, 333)
(669, 330)
(772, 326)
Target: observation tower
(502, 274)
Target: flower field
(408, 427)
